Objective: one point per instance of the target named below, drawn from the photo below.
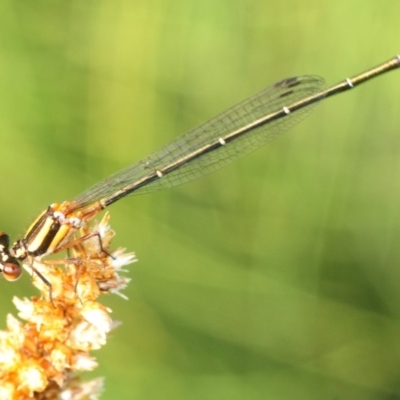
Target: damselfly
(212, 145)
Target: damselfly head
(9, 265)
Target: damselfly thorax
(48, 234)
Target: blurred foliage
(275, 278)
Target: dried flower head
(41, 356)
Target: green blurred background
(275, 278)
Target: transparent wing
(272, 99)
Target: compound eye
(11, 271)
(4, 240)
